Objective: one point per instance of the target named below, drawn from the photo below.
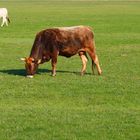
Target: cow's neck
(36, 52)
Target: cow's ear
(39, 61)
(23, 59)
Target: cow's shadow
(22, 72)
(19, 72)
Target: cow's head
(31, 66)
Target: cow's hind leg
(6, 21)
(84, 61)
(95, 61)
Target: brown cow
(63, 41)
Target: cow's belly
(69, 51)
(70, 46)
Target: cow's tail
(93, 59)
(8, 19)
(86, 55)
(93, 66)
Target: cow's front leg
(2, 22)
(54, 61)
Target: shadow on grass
(22, 72)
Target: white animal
(4, 16)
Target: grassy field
(68, 106)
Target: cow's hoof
(99, 72)
(83, 72)
(53, 75)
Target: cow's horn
(39, 61)
(23, 59)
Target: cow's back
(76, 32)
(72, 39)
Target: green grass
(68, 106)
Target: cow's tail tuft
(93, 66)
(8, 19)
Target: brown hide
(64, 41)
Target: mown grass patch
(68, 106)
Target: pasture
(70, 106)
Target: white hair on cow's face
(30, 76)
(4, 16)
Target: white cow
(4, 16)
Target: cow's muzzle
(29, 76)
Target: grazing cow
(63, 41)
(4, 16)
